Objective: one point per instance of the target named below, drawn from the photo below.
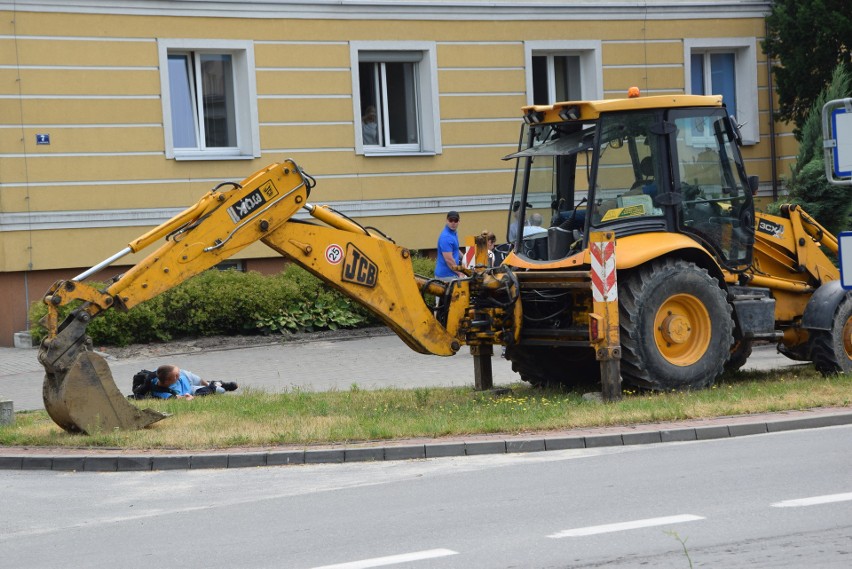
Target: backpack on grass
(144, 386)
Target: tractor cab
(636, 165)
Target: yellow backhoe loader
(657, 180)
(701, 276)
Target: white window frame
(245, 98)
(745, 68)
(591, 66)
(429, 114)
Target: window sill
(397, 153)
(187, 156)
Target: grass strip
(298, 417)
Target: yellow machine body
(664, 278)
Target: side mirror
(735, 130)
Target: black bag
(144, 386)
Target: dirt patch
(217, 343)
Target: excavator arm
(79, 391)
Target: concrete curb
(144, 462)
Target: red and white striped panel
(604, 284)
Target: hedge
(229, 302)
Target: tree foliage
(808, 38)
(808, 186)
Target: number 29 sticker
(334, 254)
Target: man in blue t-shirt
(449, 254)
(185, 384)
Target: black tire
(544, 366)
(798, 353)
(676, 326)
(831, 351)
(740, 353)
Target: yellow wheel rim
(682, 329)
(847, 338)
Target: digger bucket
(85, 399)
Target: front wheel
(676, 326)
(831, 350)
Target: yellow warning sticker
(619, 212)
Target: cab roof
(591, 110)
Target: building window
(230, 265)
(563, 71)
(727, 67)
(389, 97)
(209, 100)
(715, 74)
(556, 78)
(395, 98)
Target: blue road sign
(841, 126)
(844, 255)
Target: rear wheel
(545, 366)
(740, 353)
(676, 326)
(831, 351)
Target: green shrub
(225, 302)
(142, 324)
(228, 303)
(324, 314)
(423, 266)
(222, 303)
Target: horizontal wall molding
(416, 10)
(306, 97)
(24, 67)
(75, 38)
(484, 94)
(76, 126)
(81, 97)
(303, 69)
(92, 219)
(213, 181)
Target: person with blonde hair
(470, 254)
(370, 126)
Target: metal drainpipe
(27, 296)
(772, 157)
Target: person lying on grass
(186, 385)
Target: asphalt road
(782, 501)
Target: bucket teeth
(85, 399)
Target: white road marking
(392, 559)
(814, 501)
(624, 526)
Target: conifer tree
(807, 39)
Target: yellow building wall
(92, 82)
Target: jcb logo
(774, 229)
(358, 268)
(269, 190)
(247, 205)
